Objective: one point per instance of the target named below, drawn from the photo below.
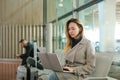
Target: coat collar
(71, 52)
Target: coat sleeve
(27, 53)
(89, 66)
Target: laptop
(51, 61)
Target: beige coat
(82, 59)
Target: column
(107, 20)
(75, 5)
(49, 37)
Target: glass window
(63, 6)
(99, 28)
(82, 2)
(89, 19)
(59, 38)
(102, 29)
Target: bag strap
(28, 72)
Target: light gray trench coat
(82, 58)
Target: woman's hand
(68, 68)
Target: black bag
(32, 63)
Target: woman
(80, 54)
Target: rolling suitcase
(27, 73)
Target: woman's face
(73, 30)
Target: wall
(22, 19)
(21, 11)
(11, 34)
